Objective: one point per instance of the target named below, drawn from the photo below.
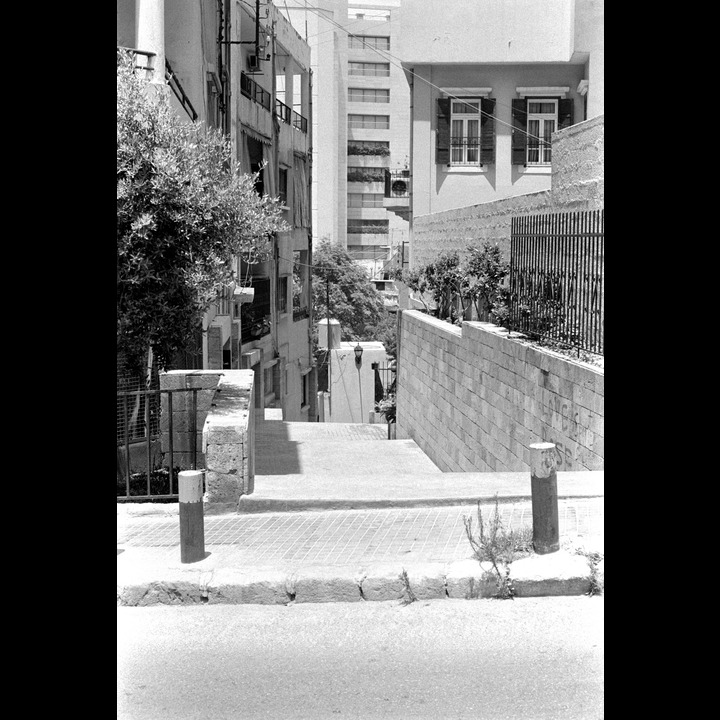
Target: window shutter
(442, 137)
(565, 113)
(487, 131)
(519, 138)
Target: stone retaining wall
(229, 441)
(474, 400)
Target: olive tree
(183, 215)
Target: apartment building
(241, 67)
(361, 125)
(490, 83)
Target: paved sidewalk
(336, 534)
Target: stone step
(354, 490)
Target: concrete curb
(249, 504)
(252, 504)
(560, 573)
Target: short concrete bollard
(192, 519)
(543, 481)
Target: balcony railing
(250, 89)
(144, 60)
(299, 122)
(283, 111)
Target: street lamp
(358, 350)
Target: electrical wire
(419, 77)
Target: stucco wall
(577, 184)
(474, 400)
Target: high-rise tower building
(360, 127)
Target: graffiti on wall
(571, 440)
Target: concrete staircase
(334, 466)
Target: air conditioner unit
(253, 62)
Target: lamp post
(358, 350)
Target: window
(534, 121)
(222, 307)
(465, 131)
(365, 200)
(541, 124)
(255, 316)
(282, 190)
(368, 147)
(304, 389)
(368, 95)
(300, 285)
(371, 122)
(465, 134)
(365, 174)
(282, 294)
(362, 227)
(368, 42)
(372, 69)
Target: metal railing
(180, 94)
(154, 482)
(289, 116)
(250, 89)
(556, 278)
(283, 111)
(144, 60)
(384, 381)
(299, 121)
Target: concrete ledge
(559, 573)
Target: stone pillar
(150, 34)
(215, 348)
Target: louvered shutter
(487, 131)
(442, 137)
(519, 138)
(565, 113)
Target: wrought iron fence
(142, 473)
(384, 381)
(556, 278)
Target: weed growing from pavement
(498, 546)
(409, 594)
(596, 585)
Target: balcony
(397, 191)
(290, 117)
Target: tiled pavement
(427, 534)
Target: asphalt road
(523, 659)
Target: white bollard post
(192, 519)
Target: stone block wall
(474, 399)
(206, 382)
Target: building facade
(490, 83)
(241, 67)
(361, 128)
